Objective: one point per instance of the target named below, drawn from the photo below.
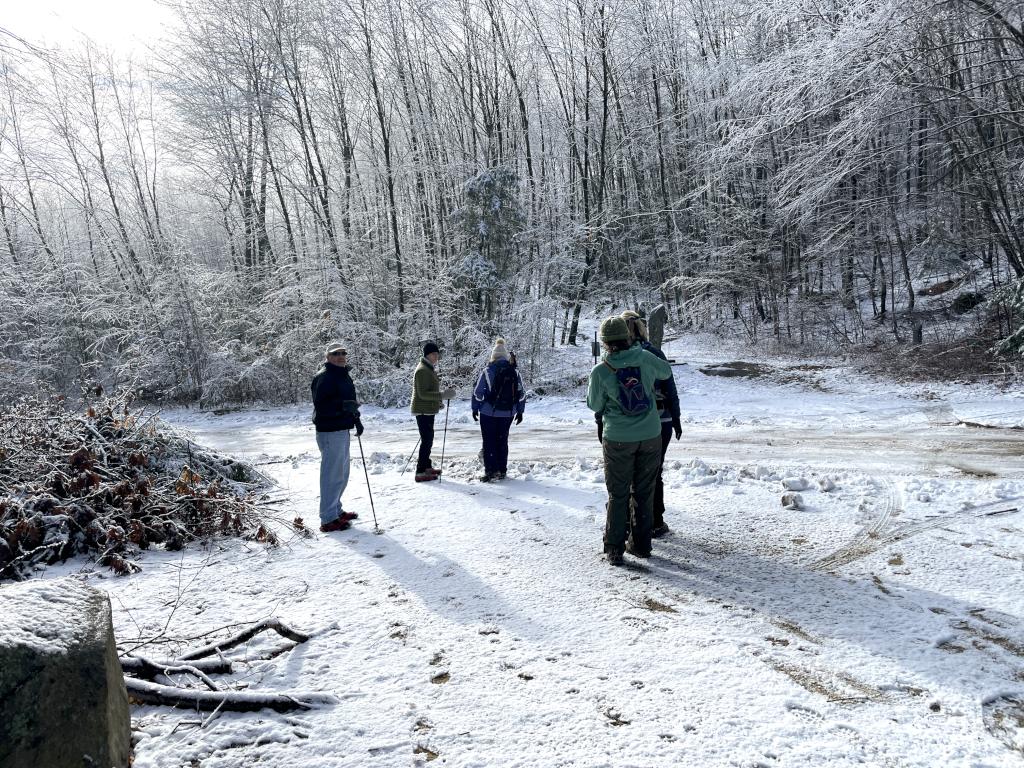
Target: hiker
(621, 394)
(335, 414)
(499, 398)
(667, 402)
(427, 399)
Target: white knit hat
(500, 351)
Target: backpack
(633, 399)
(502, 393)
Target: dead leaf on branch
(187, 481)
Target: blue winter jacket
(486, 381)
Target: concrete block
(63, 702)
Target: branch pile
(108, 483)
(150, 681)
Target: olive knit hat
(614, 329)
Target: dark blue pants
(425, 424)
(494, 430)
(659, 489)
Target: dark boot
(337, 524)
(637, 553)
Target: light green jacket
(603, 395)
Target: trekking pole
(444, 438)
(376, 528)
(410, 456)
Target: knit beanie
(614, 329)
(430, 347)
(636, 324)
(500, 351)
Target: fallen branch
(241, 637)
(979, 425)
(146, 692)
(150, 668)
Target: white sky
(126, 26)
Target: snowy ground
(881, 625)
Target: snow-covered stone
(62, 695)
(826, 484)
(792, 501)
(698, 467)
(795, 483)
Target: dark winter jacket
(664, 389)
(334, 399)
(496, 372)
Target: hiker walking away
(621, 394)
(667, 402)
(427, 399)
(335, 414)
(498, 399)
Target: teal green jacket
(603, 395)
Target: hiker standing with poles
(427, 401)
(621, 394)
(499, 397)
(667, 402)
(335, 414)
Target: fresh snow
(882, 624)
(43, 616)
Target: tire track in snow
(872, 539)
(867, 541)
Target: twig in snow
(213, 715)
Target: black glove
(476, 416)
(600, 431)
(359, 427)
(677, 427)
(519, 418)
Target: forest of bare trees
(276, 173)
